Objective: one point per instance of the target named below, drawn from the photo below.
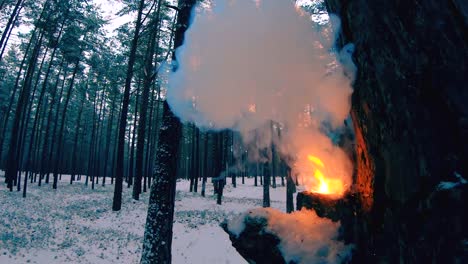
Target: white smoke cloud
(246, 63)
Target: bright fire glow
(325, 185)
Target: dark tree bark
(410, 117)
(13, 162)
(89, 171)
(290, 189)
(18, 77)
(158, 231)
(266, 184)
(9, 26)
(100, 130)
(75, 140)
(45, 159)
(220, 187)
(62, 124)
(256, 174)
(10, 30)
(22, 154)
(149, 144)
(108, 140)
(273, 155)
(114, 152)
(147, 83)
(196, 171)
(193, 165)
(119, 169)
(131, 161)
(29, 152)
(41, 97)
(51, 158)
(262, 173)
(245, 168)
(205, 165)
(39, 142)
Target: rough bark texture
(158, 231)
(255, 244)
(410, 114)
(157, 241)
(119, 170)
(323, 205)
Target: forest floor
(75, 224)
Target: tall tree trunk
(62, 124)
(60, 160)
(29, 154)
(13, 162)
(192, 158)
(39, 143)
(41, 97)
(197, 159)
(117, 200)
(256, 174)
(92, 145)
(273, 155)
(22, 154)
(114, 152)
(53, 142)
(29, 158)
(97, 147)
(75, 140)
(12, 98)
(233, 174)
(148, 144)
(9, 26)
(144, 104)
(131, 170)
(266, 184)
(290, 189)
(158, 231)
(45, 160)
(108, 140)
(10, 30)
(410, 121)
(205, 165)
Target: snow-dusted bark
(158, 231)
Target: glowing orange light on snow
(325, 185)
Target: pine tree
(158, 231)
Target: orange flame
(326, 185)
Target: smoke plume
(252, 65)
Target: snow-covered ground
(75, 224)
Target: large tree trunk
(158, 231)
(411, 121)
(13, 163)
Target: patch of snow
(305, 237)
(75, 224)
(236, 225)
